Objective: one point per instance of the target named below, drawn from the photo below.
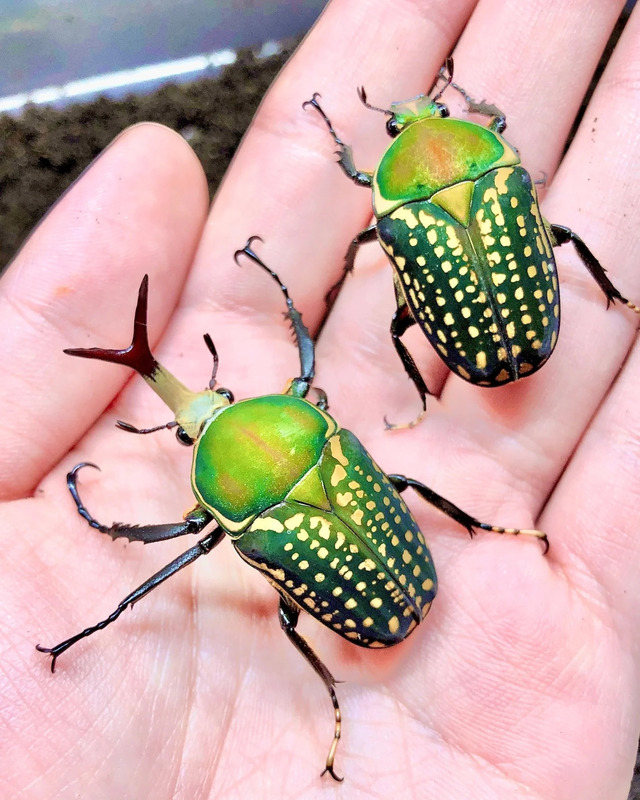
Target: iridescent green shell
(252, 453)
(359, 563)
(471, 253)
(434, 154)
(305, 504)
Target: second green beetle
(458, 216)
(302, 501)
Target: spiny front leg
(344, 152)
(194, 521)
(306, 348)
(497, 118)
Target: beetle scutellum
(472, 257)
(301, 499)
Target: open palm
(522, 682)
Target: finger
(599, 490)
(139, 208)
(537, 424)
(535, 61)
(503, 423)
(595, 506)
(284, 184)
(281, 188)
(537, 127)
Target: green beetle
(301, 499)
(473, 263)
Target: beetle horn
(190, 408)
(138, 355)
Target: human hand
(522, 681)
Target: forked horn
(138, 355)
(191, 409)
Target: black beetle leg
(288, 615)
(401, 482)
(445, 74)
(403, 320)
(204, 546)
(314, 102)
(497, 118)
(344, 153)
(367, 235)
(561, 235)
(194, 521)
(304, 342)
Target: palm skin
(522, 682)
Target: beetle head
(404, 113)
(423, 106)
(408, 111)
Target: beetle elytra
(458, 217)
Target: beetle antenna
(212, 349)
(125, 426)
(363, 98)
(138, 355)
(301, 333)
(445, 74)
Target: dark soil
(45, 149)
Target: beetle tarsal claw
(398, 426)
(332, 752)
(331, 772)
(50, 651)
(541, 535)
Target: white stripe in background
(129, 78)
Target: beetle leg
(367, 235)
(543, 180)
(497, 118)
(561, 235)
(347, 164)
(204, 546)
(401, 321)
(447, 507)
(299, 386)
(322, 401)
(194, 521)
(288, 615)
(445, 74)
(344, 151)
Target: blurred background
(74, 49)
